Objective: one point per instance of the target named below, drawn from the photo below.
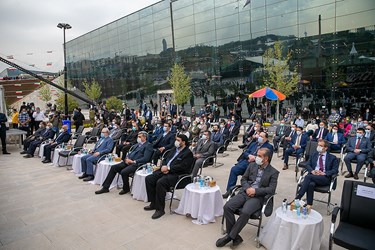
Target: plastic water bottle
(201, 181)
(304, 212)
(62, 146)
(284, 206)
(296, 202)
(106, 158)
(145, 168)
(149, 168)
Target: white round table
(101, 172)
(287, 231)
(61, 160)
(41, 150)
(203, 204)
(76, 165)
(139, 186)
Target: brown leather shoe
(285, 167)
(355, 175)
(349, 175)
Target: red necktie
(321, 168)
(358, 142)
(320, 133)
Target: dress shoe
(46, 161)
(355, 175)
(27, 156)
(285, 167)
(242, 146)
(282, 158)
(102, 191)
(238, 240)
(122, 192)
(149, 208)
(83, 176)
(89, 178)
(226, 195)
(6, 153)
(349, 175)
(157, 214)
(23, 152)
(223, 241)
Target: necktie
(320, 133)
(281, 130)
(321, 167)
(358, 142)
(298, 140)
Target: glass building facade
(221, 45)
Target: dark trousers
(25, 129)
(361, 158)
(156, 155)
(48, 149)
(32, 147)
(289, 151)
(249, 206)
(157, 185)
(36, 125)
(15, 125)
(124, 170)
(276, 140)
(3, 135)
(235, 171)
(124, 149)
(309, 183)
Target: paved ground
(45, 207)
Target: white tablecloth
(41, 151)
(101, 172)
(139, 186)
(62, 160)
(76, 165)
(202, 204)
(286, 231)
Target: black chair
(266, 210)
(94, 135)
(356, 228)
(76, 147)
(78, 132)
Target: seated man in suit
(321, 167)
(157, 131)
(204, 149)
(297, 145)
(141, 154)
(163, 142)
(370, 134)
(44, 132)
(234, 129)
(320, 133)
(116, 131)
(102, 147)
(63, 137)
(371, 160)
(335, 138)
(243, 161)
(357, 147)
(250, 133)
(258, 182)
(178, 162)
(288, 137)
(281, 132)
(128, 140)
(217, 136)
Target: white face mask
(299, 132)
(258, 161)
(139, 140)
(293, 129)
(334, 130)
(176, 144)
(260, 139)
(61, 130)
(319, 149)
(204, 137)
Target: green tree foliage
(181, 84)
(72, 102)
(279, 75)
(114, 103)
(93, 90)
(45, 93)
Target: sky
(29, 30)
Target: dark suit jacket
(235, 131)
(62, 137)
(166, 141)
(365, 145)
(316, 133)
(331, 164)
(48, 135)
(115, 134)
(131, 137)
(252, 149)
(206, 149)
(285, 131)
(340, 137)
(268, 182)
(141, 153)
(217, 137)
(303, 141)
(3, 120)
(182, 163)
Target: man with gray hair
(102, 147)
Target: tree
(279, 75)
(45, 93)
(93, 90)
(72, 102)
(181, 85)
(114, 103)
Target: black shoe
(83, 176)
(149, 207)
(27, 156)
(226, 195)
(89, 178)
(122, 192)
(6, 153)
(23, 152)
(157, 214)
(355, 175)
(349, 175)
(242, 146)
(46, 161)
(223, 241)
(102, 191)
(238, 240)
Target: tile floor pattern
(46, 207)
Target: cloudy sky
(29, 32)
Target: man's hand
(161, 149)
(197, 156)
(96, 154)
(251, 158)
(288, 138)
(296, 147)
(357, 151)
(128, 161)
(335, 142)
(164, 169)
(250, 192)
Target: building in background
(221, 44)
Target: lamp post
(65, 26)
(172, 27)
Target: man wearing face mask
(24, 121)
(320, 133)
(44, 132)
(299, 122)
(116, 131)
(248, 137)
(335, 138)
(217, 137)
(62, 137)
(234, 129)
(367, 115)
(334, 117)
(163, 142)
(321, 166)
(357, 147)
(370, 134)
(247, 156)
(205, 148)
(177, 162)
(102, 147)
(297, 145)
(141, 154)
(128, 140)
(281, 132)
(258, 182)
(38, 116)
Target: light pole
(172, 27)
(65, 26)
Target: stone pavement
(46, 207)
